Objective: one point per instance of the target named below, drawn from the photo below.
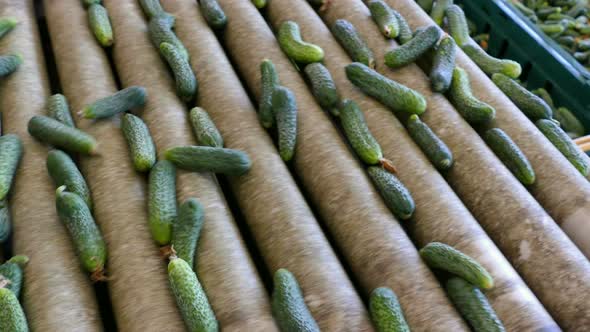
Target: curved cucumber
(386, 312)
(204, 129)
(458, 27)
(6, 25)
(139, 140)
(186, 82)
(208, 159)
(285, 109)
(568, 121)
(384, 18)
(565, 145)
(438, 10)
(433, 147)
(213, 14)
(58, 108)
(58, 134)
(100, 24)
(260, 3)
(12, 317)
(358, 134)
(123, 100)
(288, 304)
(473, 110)
(64, 172)
(270, 81)
(510, 154)
(489, 64)
(352, 42)
(9, 64)
(11, 152)
(405, 32)
(5, 223)
(531, 105)
(395, 195)
(289, 37)
(153, 8)
(187, 229)
(413, 49)
(323, 87)
(162, 201)
(12, 271)
(160, 30)
(443, 64)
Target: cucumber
(123, 100)
(433, 147)
(386, 312)
(531, 105)
(288, 304)
(12, 271)
(284, 107)
(88, 3)
(510, 154)
(162, 201)
(394, 95)
(139, 140)
(213, 14)
(412, 50)
(190, 297)
(187, 229)
(568, 121)
(153, 8)
(100, 24)
(551, 28)
(458, 27)
(395, 195)
(86, 236)
(186, 82)
(352, 42)
(208, 159)
(444, 257)
(58, 108)
(358, 134)
(473, 306)
(6, 25)
(160, 30)
(11, 152)
(9, 64)
(438, 10)
(260, 3)
(289, 37)
(543, 94)
(384, 18)
(426, 5)
(473, 110)
(323, 87)
(5, 222)
(204, 129)
(270, 80)
(12, 317)
(405, 32)
(64, 172)
(443, 64)
(565, 145)
(53, 132)
(489, 64)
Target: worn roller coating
(64, 172)
(11, 153)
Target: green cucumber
(9, 64)
(531, 105)
(323, 87)
(153, 8)
(160, 30)
(412, 50)
(139, 140)
(88, 3)
(543, 94)
(59, 109)
(352, 42)
(12, 271)
(510, 154)
(186, 82)
(489, 64)
(358, 134)
(458, 27)
(208, 159)
(123, 100)
(213, 14)
(270, 80)
(473, 306)
(64, 172)
(12, 317)
(289, 37)
(565, 145)
(53, 132)
(11, 152)
(288, 304)
(405, 32)
(386, 312)
(473, 110)
(384, 18)
(569, 122)
(395, 195)
(284, 107)
(260, 3)
(204, 129)
(394, 95)
(187, 229)
(438, 10)
(426, 5)
(5, 222)
(100, 24)
(162, 201)
(443, 64)
(444, 257)
(6, 25)
(551, 28)
(433, 147)
(190, 297)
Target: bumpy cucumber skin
(473, 110)
(458, 27)
(11, 152)
(386, 312)
(59, 109)
(88, 3)
(443, 64)
(394, 95)
(288, 304)
(412, 50)
(13, 272)
(565, 145)
(395, 195)
(438, 10)
(204, 129)
(543, 94)
(187, 230)
(285, 109)
(12, 317)
(384, 18)
(9, 64)
(433, 147)
(213, 14)
(270, 81)
(489, 64)
(353, 43)
(139, 140)
(208, 159)
(510, 154)
(6, 25)
(358, 134)
(405, 32)
(5, 222)
(426, 5)
(473, 306)
(444, 257)
(123, 100)
(323, 87)
(64, 172)
(191, 298)
(530, 104)
(260, 3)
(51, 131)
(186, 82)
(289, 37)
(568, 121)
(100, 24)
(162, 201)
(153, 8)
(160, 30)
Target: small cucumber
(12, 317)
(204, 129)
(352, 42)
(473, 306)
(162, 201)
(53, 132)
(100, 24)
(88, 3)
(187, 229)
(358, 134)
(139, 140)
(123, 100)
(323, 87)
(405, 32)
(473, 110)
(11, 152)
(438, 10)
(9, 64)
(288, 304)
(458, 27)
(64, 172)
(160, 30)
(384, 18)
(489, 64)
(6, 25)
(394, 95)
(5, 223)
(12, 271)
(386, 312)
(510, 154)
(444, 257)
(289, 37)
(569, 122)
(190, 297)
(543, 94)
(284, 107)
(86, 236)
(213, 14)
(270, 80)
(153, 8)
(426, 5)
(443, 64)
(395, 195)
(58, 108)
(186, 82)
(531, 105)
(433, 147)
(565, 145)
(412, 50)
(208, 159)
(260, 3)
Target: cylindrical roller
(224, 267)
(370, 239)
(57, 294)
